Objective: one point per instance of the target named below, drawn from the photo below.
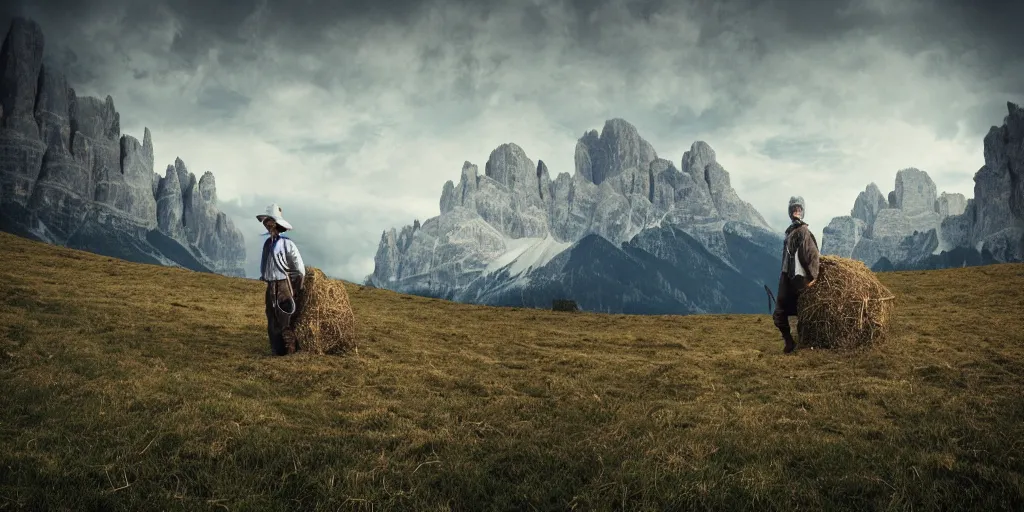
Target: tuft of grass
(139, 387)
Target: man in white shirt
(800, 261)
(282, 268)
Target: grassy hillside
(135, 387)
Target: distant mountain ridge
(914, 228)
(627, 232)
(68, 176)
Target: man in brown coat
(799, 269)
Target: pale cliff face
(69, 176)
(897, 230)
(513, 226)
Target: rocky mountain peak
(208, 188)
(1014, 121)
(542, 168)
(704, 188)
(69, 176)
(21, 61)
(170, 181)
(516, 214)
(147, 143)
(509, 166)
(447, 201)
(543, 181)
(915, 191)
(868, 204)
(182, 171)
(893, 229)
(697, 158)
(1011, 155)
(170, 204)
(997, 214)
(618, 148)
(52, 110)
(96, 118)
(950, 204)
(916, 225)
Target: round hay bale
(848, 307)
(326, 323)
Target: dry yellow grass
(326, 323)
(133, 387)
(848, 307)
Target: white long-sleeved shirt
(799, 267)
(283, 255)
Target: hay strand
(848, 307)
(325, 323)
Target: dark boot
(781, 320)
(289, 341)
(790, 343)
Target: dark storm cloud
(205, 23)
(222, 100)
(915, 24)
(994, 22)
(988, 28)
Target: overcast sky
(352, 114)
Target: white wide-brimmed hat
(274, 212)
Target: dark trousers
(786, 302)
(280, 302)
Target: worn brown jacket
(801, 243)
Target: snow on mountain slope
(527, 253)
